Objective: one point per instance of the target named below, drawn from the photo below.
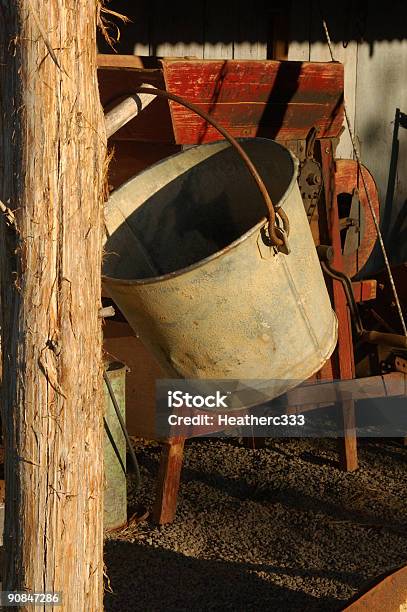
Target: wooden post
(342, 359)
(52, 166)
(348, 450)
(169, 477)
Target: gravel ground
(281, 528)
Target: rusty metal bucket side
(115, 495)
(246, 312)
(389, 595)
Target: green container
(115, 499)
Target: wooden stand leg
(254, 443)
(168, 481)
(348, 451)
(343, 358)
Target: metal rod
(347, 286)
(114, 445)
(125, 432)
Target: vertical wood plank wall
(307, 43)
(381, 88)
(203, 28)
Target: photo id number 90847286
(38, 598)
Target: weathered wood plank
(220, 23)
(300, 31)
(278, 18)
(138, 31)
(273, 99)
(364, 290)
(348, 55)
(387, 385)
(177, 28)
(381, 89)
(120, 62)
(320, 83)
(307, 43)
(251, 32)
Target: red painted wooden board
(364, 290)
(280, 100)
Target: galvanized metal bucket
(189, 263)
(115, 494)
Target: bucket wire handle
(272, 210)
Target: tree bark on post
(52, 175)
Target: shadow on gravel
(316, 460)
(166, 580)
(263, 530)
(392, 449)
(295, 499)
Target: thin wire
(124, 430)
(375, 220)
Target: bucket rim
(151, 280)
